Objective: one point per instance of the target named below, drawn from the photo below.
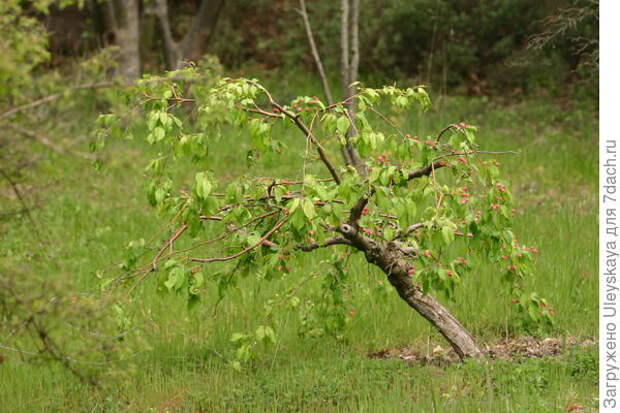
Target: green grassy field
(87, 218)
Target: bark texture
(124, 20)
(192, 46)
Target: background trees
(465, 46)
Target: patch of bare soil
(511, 349)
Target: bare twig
(55, 96)
(307, 132)
(328, 242)
(386, 120)
(18, 194)
(167, 244)
(444, 130)
(49, 144)
(427, 170)
(410, 229)
(246, 250)
(88, 86)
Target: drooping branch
(55, 96)
(90, 86)
(43, 140)
(306, 131)
(244, 251)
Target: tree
(576, 26)
(425, 212)
(349, 66)
(124, 21)
(193, 43)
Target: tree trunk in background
(349, 63)
(123, 18)
(194, 43)
(197, 38)
(171, 47)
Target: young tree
(427, 210)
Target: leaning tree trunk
(392, 262)
(459, 338)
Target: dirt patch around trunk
(511, 349)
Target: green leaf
(294, 205)
(159, 133)
(308, 208)
(176, 279)
(448, 234)
(343, 124)
(329, 123)
(198, 280)
(165, 119)
(265, 333)
(237, 337)
(203, 185)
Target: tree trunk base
(392, 262)
(428, 307)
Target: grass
(180, 364)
